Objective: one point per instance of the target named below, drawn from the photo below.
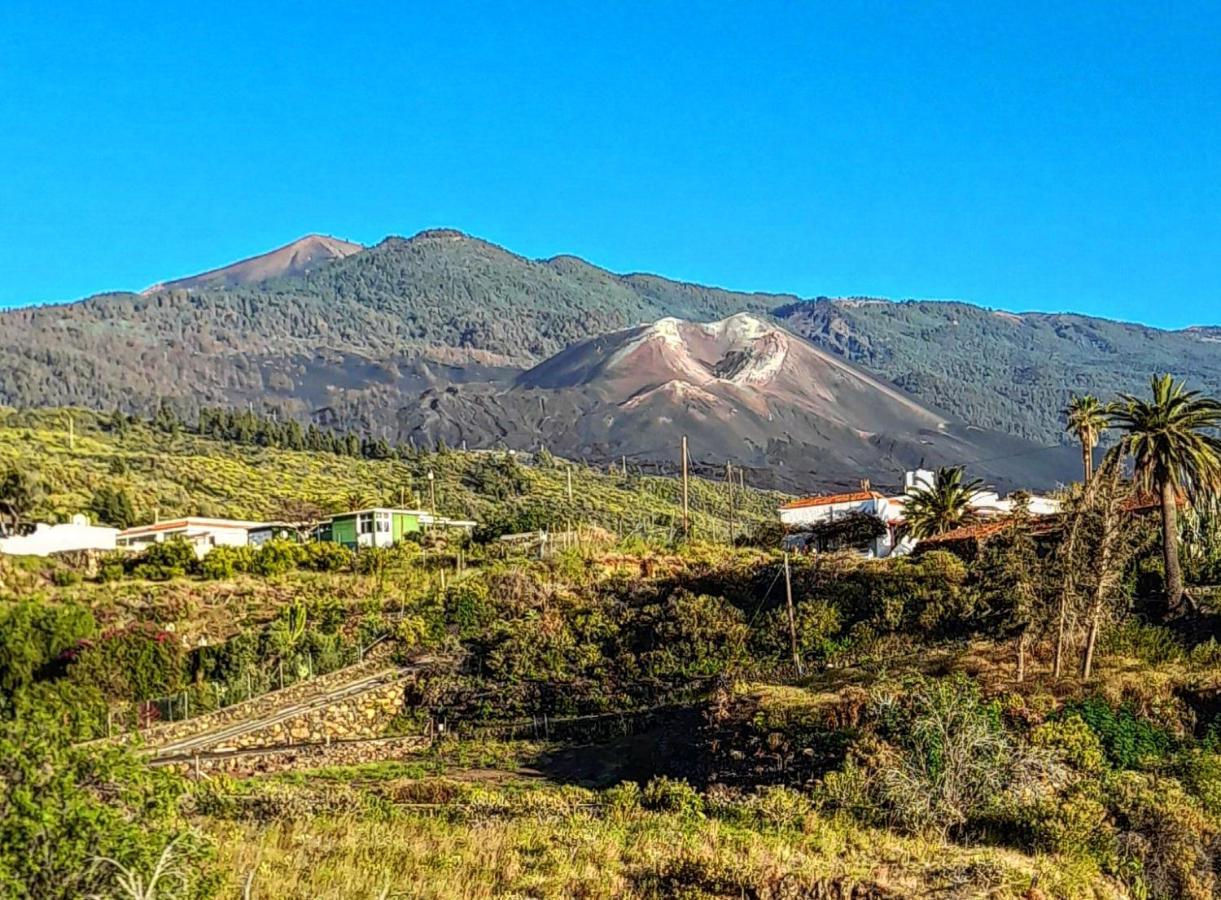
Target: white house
(201, 533)
(47, 539)
(801, 516)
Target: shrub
(781, 807)
(65, 577)
(225, 562)
(140, 662)
(167, 559)
(111, 572)
(1076, 826)
(1130, 741)
(1200, 772)
(325, 556)
(467, 605)
(275, 557)
(65, 807)
(670, 795)
(623, 799)
(1175, 847)
(1072, 739)
(945, 756)
(33, 636)
(1153, 644)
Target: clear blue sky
(1024, 156)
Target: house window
(364, 523)
(383, 523)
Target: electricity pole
(788, 599)
(729, 482)
(569, 471)
(686, 511)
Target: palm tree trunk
(1170, 548)
(1087, 458)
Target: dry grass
(563, 852)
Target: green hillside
(1001, 371)
(185, 474)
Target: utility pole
(623, 459)
(432, 491)
(788, 599)
(569, 472)
(686, 511)
(729, 483)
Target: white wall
(48, 539)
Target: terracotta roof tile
(832, 499)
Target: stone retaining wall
(362, 715)
(264, 704)
(304, 756)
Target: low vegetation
(629, 713)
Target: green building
(381, 526)
(376, 527)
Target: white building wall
(47, 539)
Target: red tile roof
(832, 499)
(981, 531)
(978, 531)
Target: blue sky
(1057, 156)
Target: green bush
(276, 557)
(164, 560)
(467, 606)
(325, 556)
(35, 635)
(1072, 739)
(223, 563)
(944, 756)
(670, 795)
(66, 808)
(65, 577)
(1130, 741)
(1200, 772)
(140, 662)
(1154, 644)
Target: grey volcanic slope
(743, 390)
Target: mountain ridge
(357, 338)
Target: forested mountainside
(360, 335)
(998, 370)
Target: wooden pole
(729, 482)
(686, 511)
(623, 459)
(569, 471)
(788, 599)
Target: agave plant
(943, 505)
(169, 878)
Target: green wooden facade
(371, 527)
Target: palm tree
(944, 505)
(1171, 452)
(1086, 418)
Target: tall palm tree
(1171, 451)
(1086, 418)
(942, 506)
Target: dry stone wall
(362, 715)
(305, 756)
(263, 705)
